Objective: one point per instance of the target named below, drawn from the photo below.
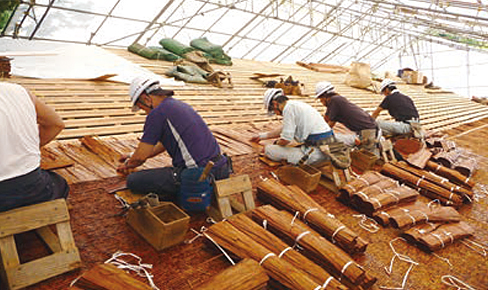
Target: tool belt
(337, 151)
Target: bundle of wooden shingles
(432, 225)
(270, 236)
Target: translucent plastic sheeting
(49, 60)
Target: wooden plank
(43, 268)
(32, 217)
(109, 277)
(51, 239)
(233, 185)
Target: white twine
(309, 210)
(274, 175)
(202, 231)
(335, 233)
(374, 199)
(363, 195)
(269, 255)
(394, 194)
(345, 268)
(455, 282)
(326, 283)
(443, 259)
(294, 218)
(402, 257)
(371, 227)
(419, 181)
(299, 237)
(433, 203)
(284, 251)
(407, 212)
(140, 268)
(476, 247)
(440, 239)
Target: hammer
(206, 171)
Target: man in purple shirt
(171, 126)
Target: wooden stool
(332, 177)
(37, 217)
(225, 199)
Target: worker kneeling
(303, 134)
(175, 127)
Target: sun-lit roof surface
(385, 34)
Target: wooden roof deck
(103, 108)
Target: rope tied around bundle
(203, 234)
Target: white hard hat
(386, 83)
(137, 86)
(270, 95)
(323, 87)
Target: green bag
(175, 47)
(164, 54)
(152, 52)
(190, 74)
(214, 53)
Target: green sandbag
(164, 54)
(152, 52)
(214, 53)
(175, 47)
(218, 60)
(190, 74)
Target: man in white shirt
(302, 131)
(26, 124)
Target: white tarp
(51, 60)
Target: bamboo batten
(451, 174)
(317, 248)
(295, 200)
(230, 238)
(445, 235)
(246, 275)
(367, 179)
(434, 178)
(428, 188)
(281, 249)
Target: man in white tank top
(26, 124)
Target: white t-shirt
(19, 132)
(300, 120)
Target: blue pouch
(194, 195)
